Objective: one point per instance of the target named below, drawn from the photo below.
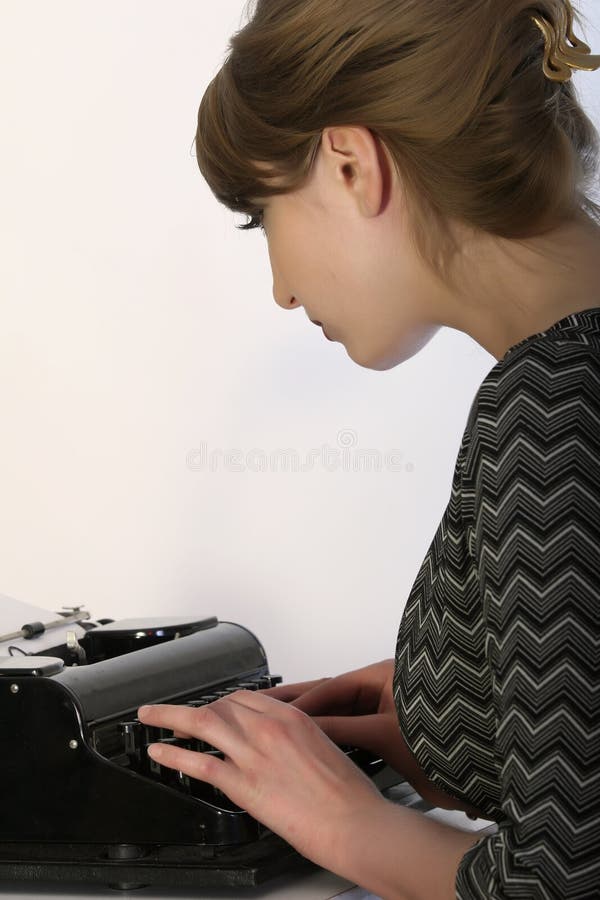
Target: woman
(414, 169)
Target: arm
(400, 854)
(358, 709)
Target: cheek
(305, 264)
(332, 267)
(321, 265)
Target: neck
(520, 287)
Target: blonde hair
(455, 91)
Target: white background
(138, 325)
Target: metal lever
(32, 629)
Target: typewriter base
(126, 867)
(177, 866)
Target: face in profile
(344, 256)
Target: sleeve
(534, 534)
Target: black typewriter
(82, 801)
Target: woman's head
(449, 127)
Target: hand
(358, 708)
(279, 766)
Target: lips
(320, 324)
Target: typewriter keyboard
(126, 743)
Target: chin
(379, 363)
(391, 357)
(376, 365)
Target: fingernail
(155, 751)
(143, 710)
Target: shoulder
(539, 364)
(535, 415)
(542, 385)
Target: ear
(356, 160)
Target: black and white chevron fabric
(497, 680)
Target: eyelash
(257, 222)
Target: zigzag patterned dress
(497, 679)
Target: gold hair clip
(559, 58)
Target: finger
(368, 732)
(201, 766)
(344, 695)
(258, 702)
(287, 692)
(214, 723)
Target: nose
(284, 300)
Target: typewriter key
(132, 739)
(151, 734)
(269, 681)
(183, 782)
(131, 733)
